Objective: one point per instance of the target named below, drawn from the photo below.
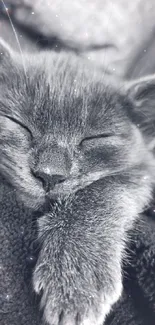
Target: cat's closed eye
(20, 124)
(98, 136)
(95, 140)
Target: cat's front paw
(74, 301)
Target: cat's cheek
(28, 190)
(30, 200)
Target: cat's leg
(79, 269)
(80, 279)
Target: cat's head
(63, 126)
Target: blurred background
(116, 35)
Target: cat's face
(62, 128)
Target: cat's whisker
(16, 37)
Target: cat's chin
(43, 200)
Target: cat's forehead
(61, 93)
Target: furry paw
(73, 307)
(78, 285)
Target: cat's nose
(49, 180)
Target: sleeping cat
(78, 146)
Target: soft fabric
(137, 305)
(17, 303)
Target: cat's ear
(141, 94)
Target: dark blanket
(18, 253)
(17, 233)
(137, 305)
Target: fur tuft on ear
(141, 93)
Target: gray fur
(51, 119)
